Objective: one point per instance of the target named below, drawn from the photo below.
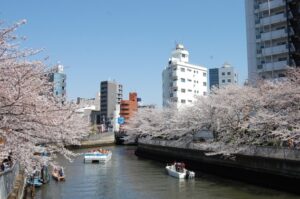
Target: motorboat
(178, 170)
(58, 174)
(34, 181)
(97, 156)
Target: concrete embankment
(265, 166)
(97, 140)
(12, 183)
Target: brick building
(129, 107)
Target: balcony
(271, 5)
(175, 73)
(175, 94)
(276, 34)
(279, 65)
(272, 19)
(275, 50)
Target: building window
(189, 90)
(182, 80)
(228, 73)
(223, 73)
(204, 93)
(183, 55)
(228, 80)
(204, 83)
(190, 101)
(189, 70)
(223, 80)
(183, 101)
(189, 80)
(182, 69)
(282, 59)
(183, 90)
(204, 74)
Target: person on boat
(61, 172)
(2, 167)
(176, 166)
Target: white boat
(177, 170)
(97, 156)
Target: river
(126, 176)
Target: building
(129, 107)
(273, 37)
(222, 76)
(110, 99)
(58, 77)
(89, 108)
(148, 106)
(86, 102)
(213, 77)
(182, 81)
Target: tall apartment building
(182, 81)
(129, 107)
(58, 77)
(110, 99)
(222, 76)
(273, 37)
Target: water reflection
(128, 177)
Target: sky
(129, 41)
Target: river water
(126, 176)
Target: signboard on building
(121, 120)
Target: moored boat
(34, 181)
(58, 174)
(178, 170)
(97, 156)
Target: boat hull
(181, 175)
(35, 182)
(97, 157)
(57, 177)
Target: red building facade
(129, 107)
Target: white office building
(272, 37)
(183, 81)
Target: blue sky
(130, 41)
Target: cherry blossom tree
(30, 114)
(277, 119)
(238, 116)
